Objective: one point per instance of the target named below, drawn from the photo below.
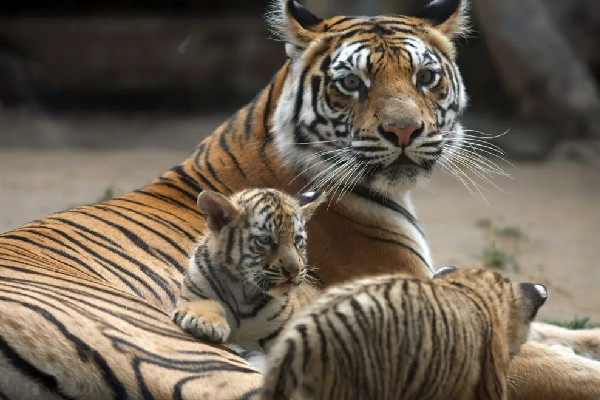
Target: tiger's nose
(402, 135)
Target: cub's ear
(218, 210)
(444, 271)
(534, 296)
(448, 16)
(293, 24)
(309, 202)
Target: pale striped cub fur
(398, 337)
(248, 273)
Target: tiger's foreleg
(542, 371)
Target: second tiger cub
(248, 273)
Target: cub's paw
(206, 325)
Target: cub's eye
(351, 82)
(425, 77)
(298, 240)
(264, 240)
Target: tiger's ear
(293, 24)
(448, 16)
(218, 210)
(534, 296)
(309, 202)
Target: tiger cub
(399, 337)
(248, 272)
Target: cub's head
(515, 305)
(259, 235)
(372, 101)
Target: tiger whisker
(324, 177)
(312, 166)
(468, 179)
(341, 181)
(456, 172)
(360, 173)
(473, 160)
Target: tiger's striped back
(399, 337)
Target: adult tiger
(367, 105)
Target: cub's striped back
(401, 338)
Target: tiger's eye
(425, 77)
(351, 82)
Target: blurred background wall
(531, 66)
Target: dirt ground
(543, 226)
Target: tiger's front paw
(205, 324)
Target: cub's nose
(401, 136)
(291, 271)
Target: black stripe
(379, 228)
(108, 208)
(327, 27)
(387, 203)
(306, 350)
(84, 229)
(397, 243)
(100, 288)
(211, 169)
(220, 290)
(74, 303)
(186, 178)
(322, 340)
(250, 118)
(83, 349)
(286, 369)
(55, 251)
(192, 287)
(229, 249)
(374, 29)
(268, 135)
(300, 95)
(158, 218)
(205, 180)
(137, 241)
(29, 370)
(226, 149)
(168, 182)
(106, 262)
(166, 199)
(262, 342)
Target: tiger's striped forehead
(384, 33)
(370, 44)
(269, 209)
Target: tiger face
(259, 236)
(368, 100)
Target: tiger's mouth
(282, 287)
(404, 167)
(403, 160)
